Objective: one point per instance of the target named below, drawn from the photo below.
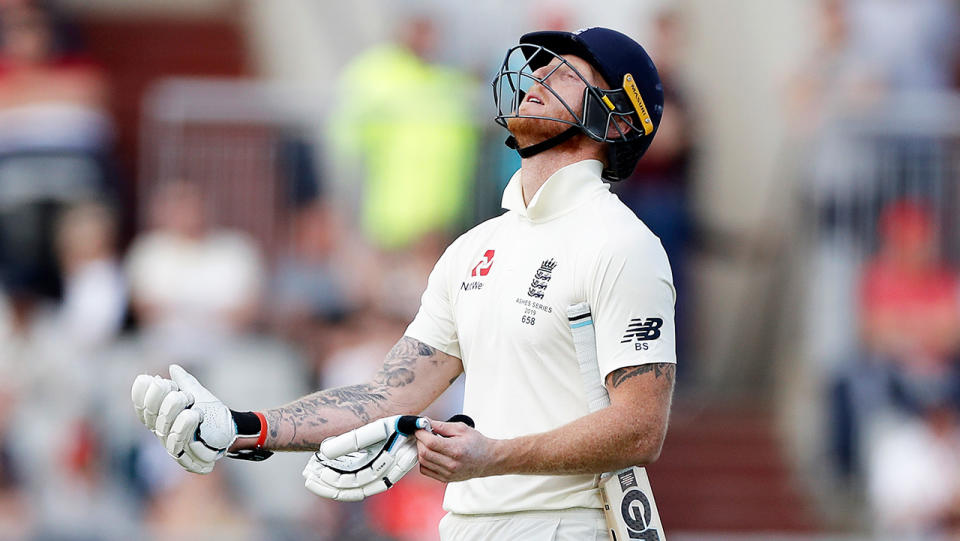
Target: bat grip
(408, 424)
(461, 418)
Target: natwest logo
(483, 267)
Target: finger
(337, 446)
(314, 467)
(139, 393)
(435, 459)
(158, 390)
(406, 460)
(324, 490)
(194, 465)
(203, 452)
(365, 477)
(171, 406)
(407, 457)
(375, 487)
(338, 480)
(434, 442)
(448, 429)
(321, 489)
(331, 477)
(190, 384)
(350, 495)
(434, 474)
(355, 440)
(184, 426)
(311, 467)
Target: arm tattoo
(665, 370)
(296, 426)
(398, 368)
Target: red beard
(530, 131)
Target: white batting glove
(364, 461)
(194, 426)
(369, 459)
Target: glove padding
(367, 460)
(194, 426)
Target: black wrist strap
(248, 426)
(253, 455)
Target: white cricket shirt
(497, 299)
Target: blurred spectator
(51, 95)
(910, 333)
(192, 286)
(309, 281)
(909, 304)
(868, 48)
(54, 134)
(408, 125)
(913, 472)
(311, 287)
(859, 72)
(906, 44)
(94, 296)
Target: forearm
(629, 432)
(304, 423)
(607, 440)
(412, 376)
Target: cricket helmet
(626, 116)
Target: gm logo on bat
(635, 509)
(636, 512)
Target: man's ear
(618, 123)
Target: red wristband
(263, 429)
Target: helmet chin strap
(546, 144)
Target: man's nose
(543, 71)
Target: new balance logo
(642, 330)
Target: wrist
(503, 453)
(251, 433)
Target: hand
(364, 461)
(455, 452)
(194, 426)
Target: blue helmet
(634, 100)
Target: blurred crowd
(880, 184)
(95, 289)
(88, 301)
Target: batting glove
(195, 427)
(367, 460)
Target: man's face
(541, 102)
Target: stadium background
(258, 189)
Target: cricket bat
(628, 503)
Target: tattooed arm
(413, 376)
(628, 433)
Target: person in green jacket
(408, 124)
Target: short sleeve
(632, 298)
(434, 323)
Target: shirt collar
(565, 190)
